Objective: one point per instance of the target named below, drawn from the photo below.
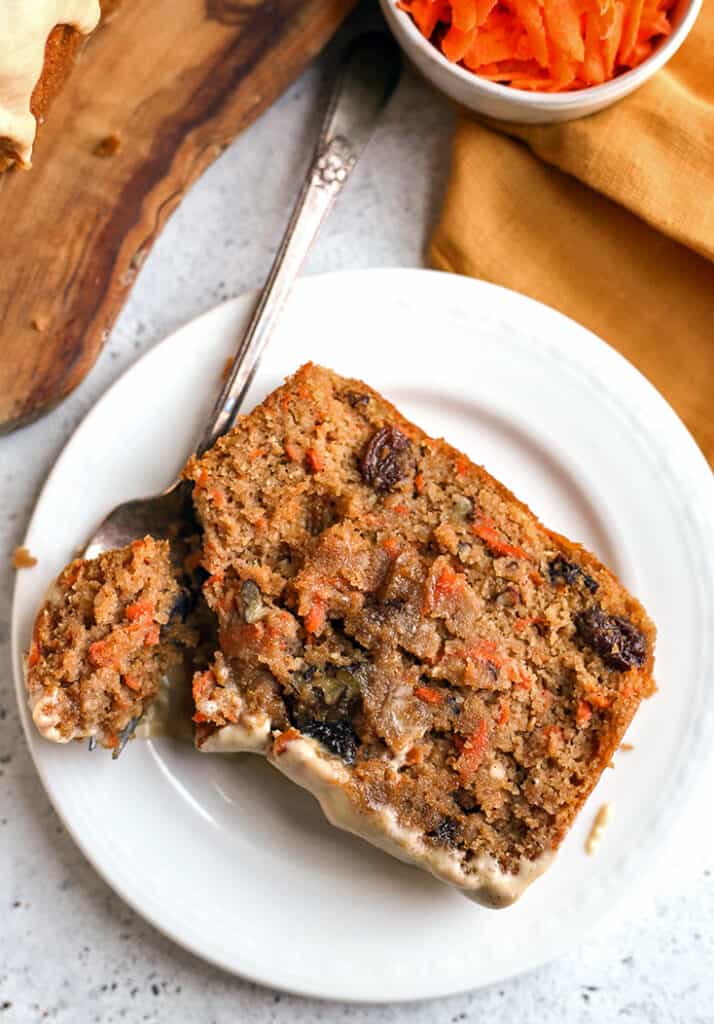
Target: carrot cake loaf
(39, 40)
(402, 637)
(107, 631)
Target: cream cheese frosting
(24, 28)
(303, 761)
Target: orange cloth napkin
(609, 219)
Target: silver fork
(368, 74)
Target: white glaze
(47, 716)
(482, 880)
(24, 28)
(303, 761)
(250, 735)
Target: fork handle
(367, 78)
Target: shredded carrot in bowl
(543, 45)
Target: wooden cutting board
(176, 80)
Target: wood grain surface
(175, 81)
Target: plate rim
(677, 433)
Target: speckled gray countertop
(70, 950)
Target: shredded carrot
(583, 713)
(292, 452)
(315, 618)
(140, 611)
(256, 454)
(391, 546)
(461, 465)
(597, 699)
(529, 620)
(217, 496)
(428, 695)
(445, 582)
(472, 751)
(401, 510)
(487, 650)
(34, 655)
(283, 740)
(201, 479)
(543, 45)
(439, 587)
(485, 529)
(111, 742)
(315, 460)
(504, 712)
(101, 653)
(132, 683)
(419, 483)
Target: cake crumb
(227, 366)
(602, 820)
(108, 146)
(626, 747)
(23, 559)
(41, 322)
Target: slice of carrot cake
(402, 637)
(106, 633)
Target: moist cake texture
(401, 636)
(107, 631)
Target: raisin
(356, 398)
(386, 458)
(569, 572)
(445, 832)
(619, 643)
(338, 737)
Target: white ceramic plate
(223, 854)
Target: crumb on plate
(602, 820)
(23, 559)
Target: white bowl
(507, 104)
